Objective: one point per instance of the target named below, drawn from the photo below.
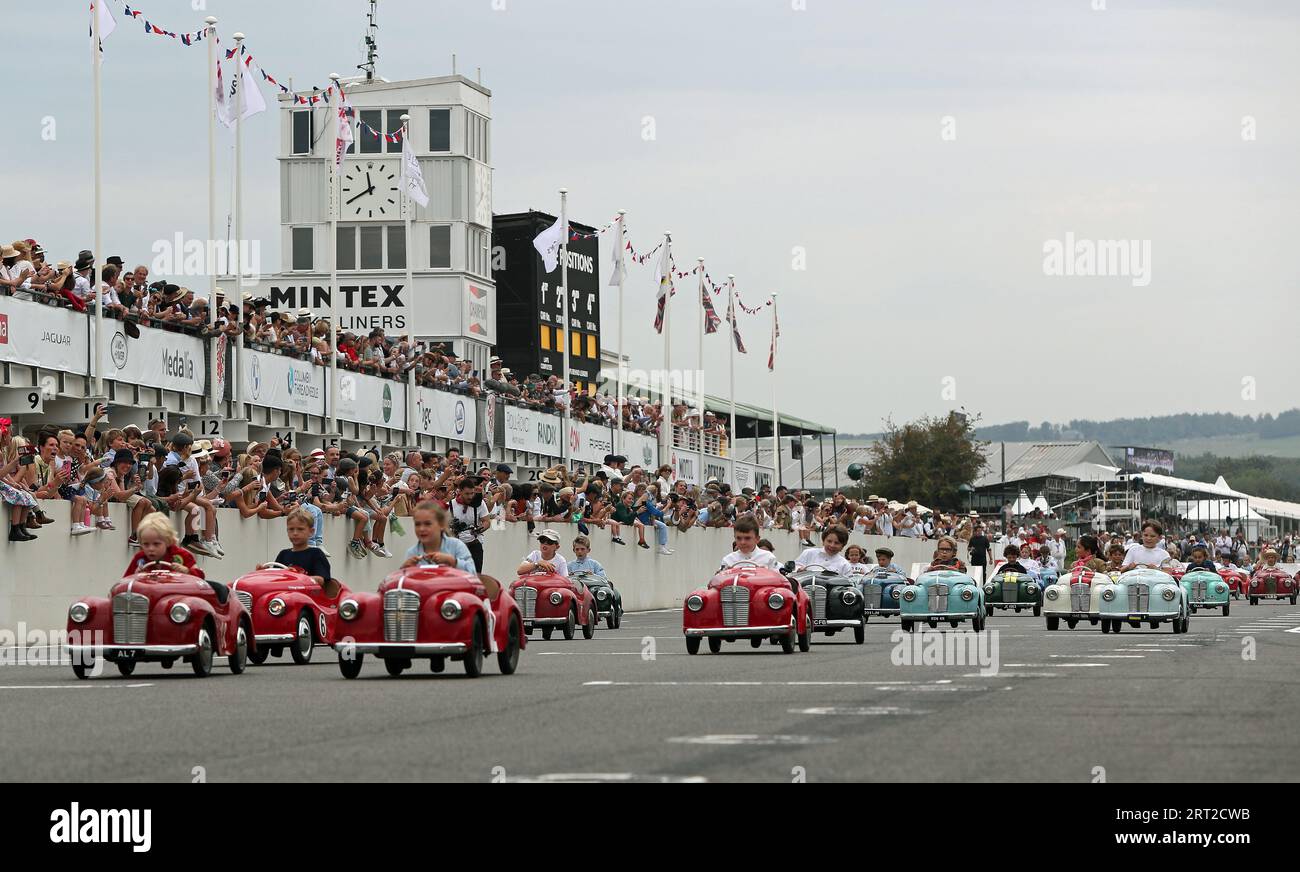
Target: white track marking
(857, 710)
(749, 739)
(80, 685)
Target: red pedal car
(289, 610)
(1237, 581)
(748, 602)
(1272, 584)
(548, 600)
(159, 615)
(432, 613)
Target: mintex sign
(362, 307)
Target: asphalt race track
(1143, 706)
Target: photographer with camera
(469, 518)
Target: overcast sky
(779, 130)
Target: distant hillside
(1277, 478)
(1162, 431)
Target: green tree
(926, 460)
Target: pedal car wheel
(1105, 626)
(692, 644)
(788, 640)
(1071, 622)
(1054, 623)
(988, 611)
(860, 631)
(570, 624)
(715, 644)
(546, 633)
(1116, 625)
(303, 644)
(201, 662)
(81, 670)
(618, 621)
(396, 665)
(977, 622)
(238, 658)
(1225, 609)
(257, 656)
(756, 642)
(1254, 601)
(508, 660)
(474, 659)
(351, 666)
(437, 663)
(589, 628)
(908, 627)
(934, 623)
(610, 621)
(953, 623)
(805, 638)
(1038, 611)
(1293, 598)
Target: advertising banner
(589, 443)
(641, 450)
(443, 413)
(157, 359)
(529, 430)
(749, 475)
(38, 335)
(283, 382)
(369, 399)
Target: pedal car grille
(1139, 597)
(246, 598)
(1270, 584)
(819, 602)
(735, 606)
(1199, 589)
(939, 597)
(130, 617)
(1009, 589)
(871, 595)
(1080, 597)
(526, 597)
(401, 615)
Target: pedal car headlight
(601, 593)
(849, 597)
(1108, 595)
(1219, 588)
(1254, 584)
(967, 594)
(695, 602)
(179, 613)
(348, 609)
(275, 607)
(775, 601)
(1051, 593)
(909, 595)
(1168, 594)
(988, 588)
(556, 598)
(79, 612)
(450, 609)
(894, 593)
(1031, 588)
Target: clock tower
(439, 286)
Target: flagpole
(95, 293)
(731, 366)
(666, 408)
(622, 369)
(565, 333)
(776, 417)
(410, 289)
(336, 100)
(239, 220)
(699, 265)
(211, 22)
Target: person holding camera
(469, 518)
(15, 456)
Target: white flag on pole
(412, 178)
(548, 244)
(223, 109)
(107, 23)
(253, 102)
(619, 272)
(343, 138)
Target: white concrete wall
(40, 579)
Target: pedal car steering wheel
(277, 565)
(145, 567)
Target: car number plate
(1135, 617)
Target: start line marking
(80, 685)
(745, 683)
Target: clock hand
(359, 196)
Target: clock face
(370, 190)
